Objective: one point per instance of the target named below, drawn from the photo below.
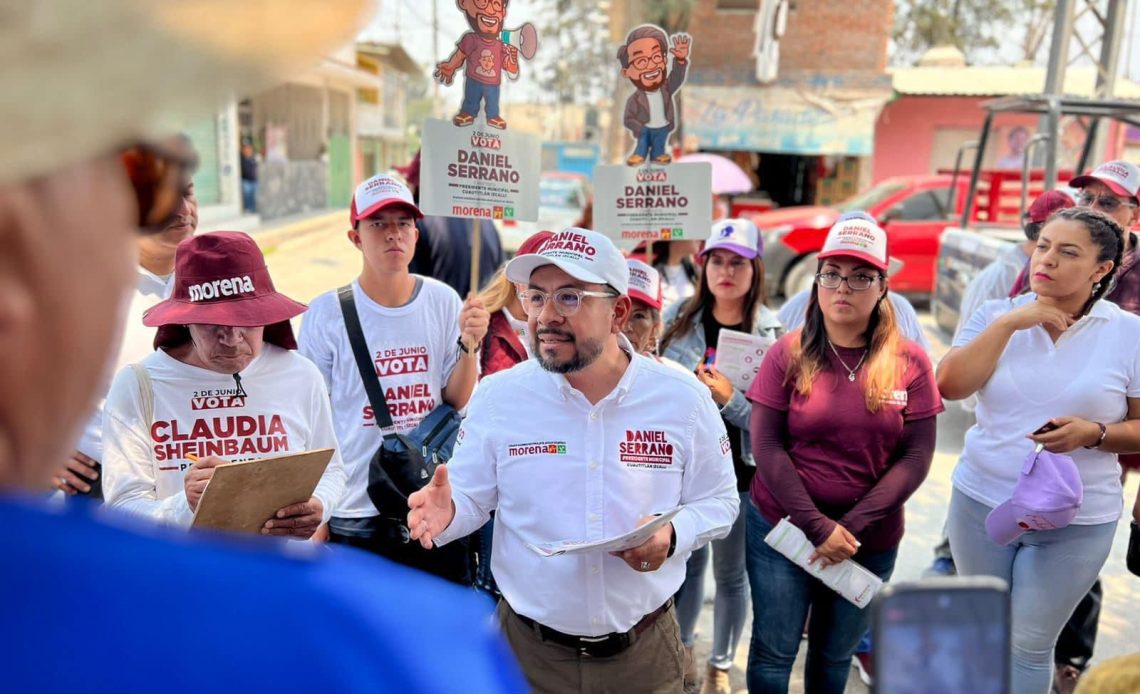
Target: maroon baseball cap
(381, 192)
(220, 278)
(411, 171)
(1047, 203)
(534, 242)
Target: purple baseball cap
(1047, 496)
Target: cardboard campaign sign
(667, 203)
(478, 173)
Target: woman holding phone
(1056, 367)
(843, 431)
(730, 295)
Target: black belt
(605, 646)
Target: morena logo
(217, 288)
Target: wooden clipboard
(242, 496)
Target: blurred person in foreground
(107, 604)
(83, 469)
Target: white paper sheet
(739, 355)
(629, 540)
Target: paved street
(305, 266)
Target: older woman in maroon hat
(224, 384)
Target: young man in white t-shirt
(424, 343)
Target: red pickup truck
(912, 209)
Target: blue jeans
(249, 196)
(731, 602)
(652, 142)
(782, 593)
(475, 91)
(1048, 573)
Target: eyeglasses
(644, 61)
(159, 176)
(567, 300)
(1105, 203)
(401, 226)
(856, 283)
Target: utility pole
(1082, 24)
(434, 57)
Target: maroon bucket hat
(220, 278)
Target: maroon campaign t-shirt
(839, 448)
(484, 58)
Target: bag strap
(364, 361)
(146, 399)
(146, 393)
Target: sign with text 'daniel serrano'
(479, 173)
(653, 203)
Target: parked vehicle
(977, 240)
(912, 209)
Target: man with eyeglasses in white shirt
(584, 442)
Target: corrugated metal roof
(997, 81)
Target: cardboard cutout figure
(650, 113)
(488, 50)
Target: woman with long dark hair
(730, 295)
(1057, 368)
(843, 430)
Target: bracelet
(463, 347)
(1103, 433)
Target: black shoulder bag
(404, 463)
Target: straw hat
(84, 77)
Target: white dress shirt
(554, 467)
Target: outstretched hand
(431, 509)
(680, 46)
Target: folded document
(847, 578)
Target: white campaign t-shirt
(414, 348)
(135, 343)
(198, 412)
(656, 110)
(1090, 371)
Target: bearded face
(646, 64)
(485, 17)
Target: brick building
(791, 89)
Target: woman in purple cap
(730, 296)
(1057, 367)
(843, 430)
(224, 384)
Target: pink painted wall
(905, 131)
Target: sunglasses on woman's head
(159, 174)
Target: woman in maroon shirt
(843, 429)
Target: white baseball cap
(379, 192)
(645, 283)
(585, 255)
(1121, 176)
(737, 235)
(857, 237)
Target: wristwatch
(672, 541)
